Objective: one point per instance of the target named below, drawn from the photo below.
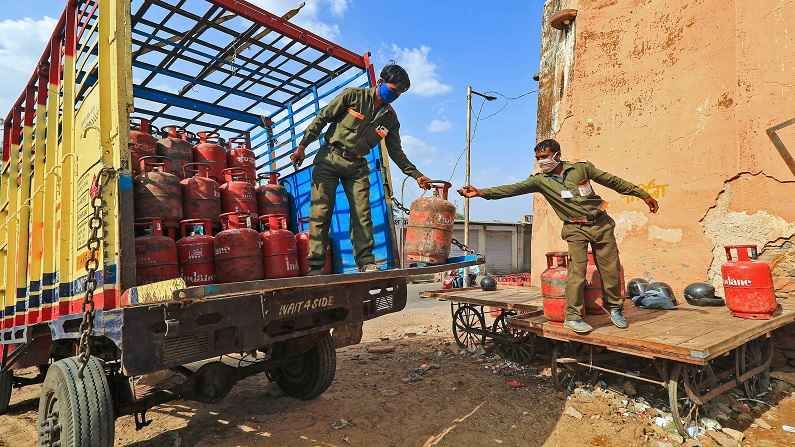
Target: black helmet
(395, 74)
(664, 289)
(702, 294)
(636, 287)
(488, 283)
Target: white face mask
(547, 165)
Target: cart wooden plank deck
(697, 353)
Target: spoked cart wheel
(755, 354)
(684, 410)
(513, 344)
(469, 327)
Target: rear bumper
(167, 335)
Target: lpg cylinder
(553, 286)
(553, 279)
(201, 195)
(748, 284)
(209, 150)
(240, 155)
(271, 196)
(237, 194)
(196, 252)
(155, 254)
(279, 249)
(158, 193)
(302, 245)
(430, 227)
(142, 141)
(238, 250)
(594, 292)
(177, 146)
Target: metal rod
(468, 162)
(612, 371)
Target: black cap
(395, 74)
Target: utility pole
(469, 154)
(468, 179)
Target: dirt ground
(425, 393)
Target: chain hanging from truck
(95, 225)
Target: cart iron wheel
(76, 412)
(6, 384)
(684, 411)
(751, 355)
(469, 327)
(513, 344)
(310, 375)
(563, 373)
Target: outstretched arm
(621, 186)
(500, 192)
(331, 113)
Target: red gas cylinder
(555, 309)
(155, 254)
(748, 284)
(176, 144)
(553, 279)
(196, 252)
(271, 196)
(209, 150)
(302, 244)
(142, 141)
(201, 195)
(237, 194)
(158, 193)
(238, 250)
(241, 156)
(594, 294)
(279, 249)
(430, 227)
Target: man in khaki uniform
(360, 118)
(567, 188)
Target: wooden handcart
(694, 353)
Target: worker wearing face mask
(360, 118)
(567, 188)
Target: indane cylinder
(196, 252)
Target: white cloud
(311, 15)
(424, 79)
(338, 7)
(439, 126)
(418, 150)
(21, 45)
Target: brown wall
(678, 95)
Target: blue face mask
(386, 94)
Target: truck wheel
(312, 374)
(75, 412)
(6, 383)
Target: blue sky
(444, 44)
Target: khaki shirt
(570, 194)
(354, 120)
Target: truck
(70, 303)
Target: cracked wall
(680, 97)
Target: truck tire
(75, 412)
(6, 383)
(311, 375)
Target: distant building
(506, 245)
